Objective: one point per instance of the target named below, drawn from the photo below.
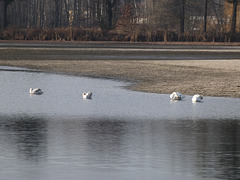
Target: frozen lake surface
(118, 134)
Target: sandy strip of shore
(219, 78)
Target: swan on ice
(36, 91)
(197, 98)
(176, 96)
(87, 95)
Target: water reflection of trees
(105, 137)
(26, 135)
(215, 145)
(229, 149)
(209, 148)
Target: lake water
(119, 134)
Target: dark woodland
(120, 20)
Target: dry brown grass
(137, 34)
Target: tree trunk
(57, 8)
(182, 17)
(110, 5)
(66, 24)
(109, 16)
(42, 14)
(5, 15)
(234, 16)
(205, 16)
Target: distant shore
(218, 77)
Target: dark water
(119, 134)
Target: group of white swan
(38, 91)
(179, 96)
(88, 95)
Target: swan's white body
(87, 95)
(176, 96)
(197, 98)
(36, 91)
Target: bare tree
(6, 3)
(125, 22)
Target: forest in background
(120, 20)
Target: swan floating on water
(197, 98)
(87, 95)
(176, 96)
(36, 91)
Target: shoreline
(210, 69)
(217, 78)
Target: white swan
(197, 98)
(176, 96)
(87, 95)
(36, 91)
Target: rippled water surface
(119, 134)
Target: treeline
(120, 20)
